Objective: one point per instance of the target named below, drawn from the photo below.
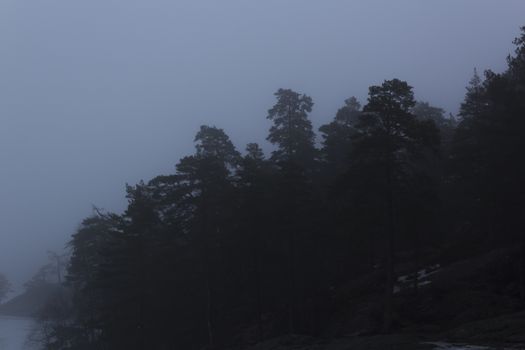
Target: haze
(94, 94)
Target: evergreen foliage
(235, 243)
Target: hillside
(470, 301)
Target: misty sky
(97, 93)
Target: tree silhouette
(388, 141)
(5, 287)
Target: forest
(343, 232)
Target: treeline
(238, 244)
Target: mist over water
(14, 333)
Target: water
(14, 332)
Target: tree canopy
(233, 248)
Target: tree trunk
(521, 268)
(389, 285)
(207, 266)
(416, 261)
(258, 287)
(291, 280)
(209, 323)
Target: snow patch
(422, 276)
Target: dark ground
(471, 301)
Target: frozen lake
(14, 332)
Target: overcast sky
(97, 93)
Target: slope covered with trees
(235, 248)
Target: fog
(95, 94)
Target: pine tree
(254, 184)
(5, 287)
(292, 130)
(388, 140)
(208, 179)
(295, 156)
(337, 137)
